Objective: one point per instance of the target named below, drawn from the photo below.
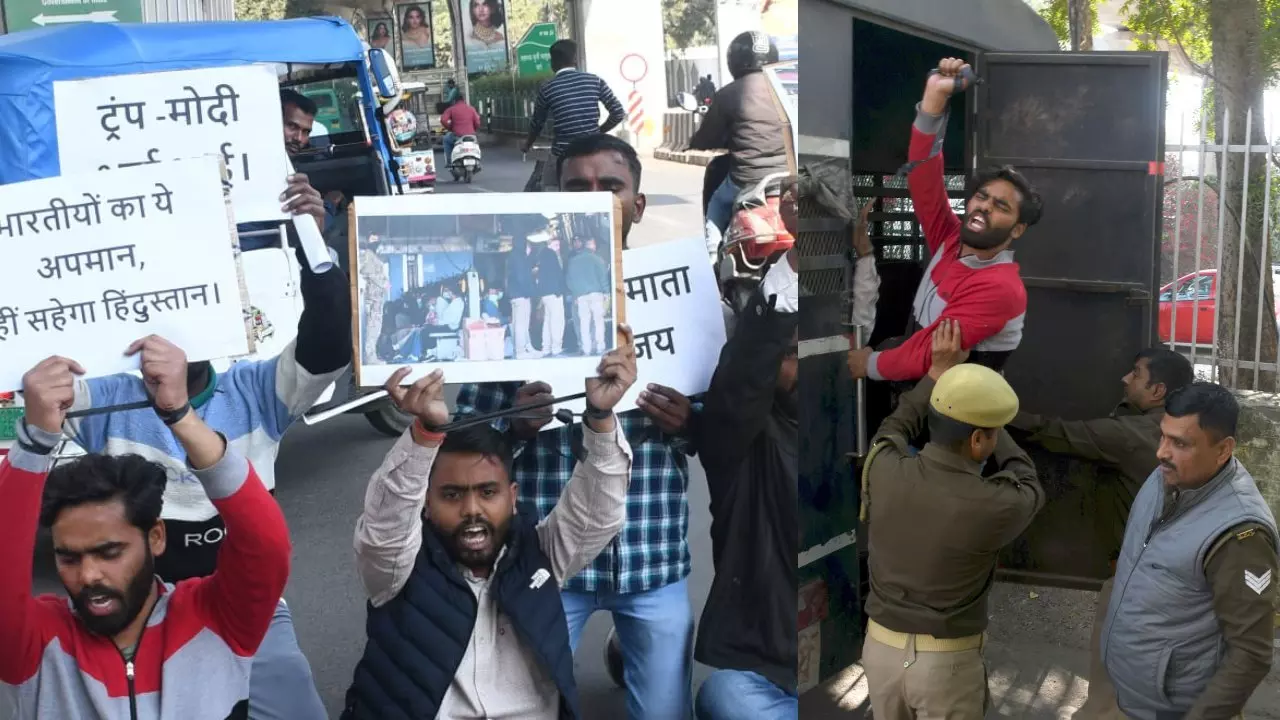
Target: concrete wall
(1258, 435)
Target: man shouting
(971, 277)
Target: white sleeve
(783, 282)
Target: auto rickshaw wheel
(387, 419)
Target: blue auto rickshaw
(322, 53)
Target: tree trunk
(1238, 86)
(1080, 22)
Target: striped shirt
(572, 98)
(652, 551)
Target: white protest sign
(674, 309)
(94, 261)
(130, 120)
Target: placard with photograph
(496, 287)
(484, 35)
(417, 36)
(381, 32)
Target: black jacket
(744, 120)
(748, 441)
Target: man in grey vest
(1188, 632)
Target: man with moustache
(642, 578)
(972, 277)
(1125, 443)
(748, 435)
(465, 620)
(252, 405)
(1189, 628)
(129, 645)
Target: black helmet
(749, 52)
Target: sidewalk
(1037, 660)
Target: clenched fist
(424, 399)
(48, 389)
(164, 371)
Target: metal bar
(1177, 241)
(470, 420)
(861, 399)
(1262, 265)
(1222, 221)
(1093, 286)
(320, 417)
(1142, 166)
(1244, 221)
(1195, 302)
(1218, 148)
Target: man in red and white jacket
(971, 277)
(125, 645)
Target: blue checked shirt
(652, 550)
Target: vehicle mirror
(385, 76)
(687, 101)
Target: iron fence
(1191, 300)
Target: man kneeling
(465, 618)
(129, 645)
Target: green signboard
(533, 52)
(27, 14)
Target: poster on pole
(674, 309)
(490, 287)
(127, 121)
(94, 261)
(380, 32)
(417, 36)
(484, 36)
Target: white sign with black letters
(131, 120)
(94, 261)
(674, 309)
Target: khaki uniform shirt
(1125, 443)
(937, 525)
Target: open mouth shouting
(977, 222)
(474, 538)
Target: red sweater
(461, 119)
(986, 297)
(202, 635)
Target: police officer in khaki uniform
(937, 524)
(1124, 443)
(373, 273)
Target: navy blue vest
(417, 641)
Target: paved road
(322, 472)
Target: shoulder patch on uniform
(1246, 533)
(1257, 583)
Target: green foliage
(1054, 12)
(688, 23)
(502, 84)
(1185, 24)
(442, 26)
(260, 9)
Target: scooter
(465, 160)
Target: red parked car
(1204, 286)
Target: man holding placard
(252, 405)
(642, 577)
(130, 644)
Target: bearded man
(972, 278)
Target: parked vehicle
(308, 54)
(1193, 306)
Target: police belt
(923, 642)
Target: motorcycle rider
(747, 119)
(460, 119)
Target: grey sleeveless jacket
(1161, 643)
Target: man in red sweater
(460, 119)
(971, 277)
(129, 646)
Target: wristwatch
(595, 413)
(170, 417)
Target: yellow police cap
(976, 395)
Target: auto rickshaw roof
(987, 25)
(32, 60)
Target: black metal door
(1087, 129)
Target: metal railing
(1224, 361)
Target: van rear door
(1087, 129)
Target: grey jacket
(1161, 642)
